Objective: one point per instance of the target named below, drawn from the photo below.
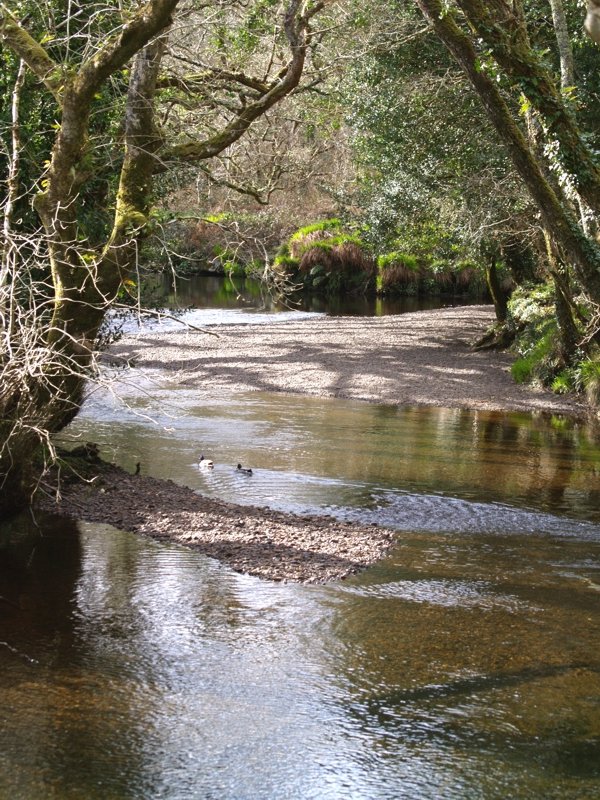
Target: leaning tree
(519, 89)
(127, 90)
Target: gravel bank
(423, 358)
(256, 541)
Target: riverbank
(424, 358)
(256, 541)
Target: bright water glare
(465, 665)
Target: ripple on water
(368, 504)
(446, 593)
(440, 514)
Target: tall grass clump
(325, 257)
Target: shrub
(397, 273)
(589, 380)
(522, 370)
(564, 382)
(326, 257)
(539, 351)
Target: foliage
(539, 353)
(588, 378)
(397, 273)
(564, 382)
(325, 257)
(531, 312)
(122, 108)
(433, 175)
(532, 303)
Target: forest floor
(419, 359)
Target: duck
(205, 463)
(244, 470)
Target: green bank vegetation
(390, 147)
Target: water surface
(465, 665)
(459, 667)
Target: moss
(323, 256)
(287, 262)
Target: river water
(465, 665)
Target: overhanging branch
(297, 29)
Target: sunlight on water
(397, 463)
(143, 670)
(464, 665)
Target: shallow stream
(465, 665)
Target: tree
(592, 20)
(102, 67)
(436, 181)
(501, 28)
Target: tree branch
(502, 30)
(584, 253)
(296, 25)
(188, 83)
(150, 20)
(31, 52)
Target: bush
(564, 382)
(325, 257)
(522, 370)
(397, 273)
(539, 350)
(588, 374)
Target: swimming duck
(245, 470)
(205, 463)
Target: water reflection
(350, 458)
(130, 669)
(224, 293)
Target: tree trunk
(45, 365)
(563, 304)
(569, 335)
(592, 20)
(40, 399)
(558, 219)
(563, 40)
(504, 31)
(498, 295)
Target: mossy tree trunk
(511, 51)
(563, 304)
(37, 401)
(497, 293)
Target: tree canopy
(450, 132)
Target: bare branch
(297, 28)
(152, 18)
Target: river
(464, 665)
